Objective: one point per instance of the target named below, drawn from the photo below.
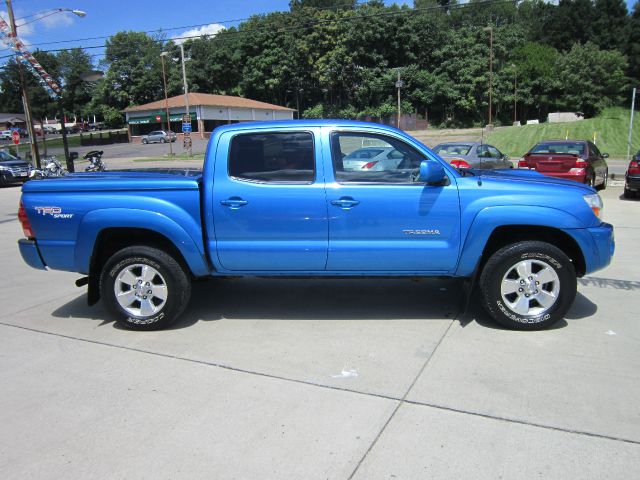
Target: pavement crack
(400, 400)
(404, 397)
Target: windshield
(564, 147)
(457, 149)
(5, 157)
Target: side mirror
(605, 155)
(431, 172)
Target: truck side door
(269, 203)
(381, 219)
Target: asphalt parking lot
(317, 379)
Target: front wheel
(528, 286)
(162, 140)
(146, 288)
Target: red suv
(576, 160)
(632, 177)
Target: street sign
(186, 128)
(399, 84)
(158, 118)
(15, 136)
(186, 118)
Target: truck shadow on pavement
(324, 299)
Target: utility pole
(515, 95)
(633, 106)
(399, 86)
(490, 30)
(186, 93)
(166, 101)
(25, 96)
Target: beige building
(207, 112)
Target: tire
(144, 141)
(629, 194)
(162, 140)
(136, 269)
(509, 284)
(604, 183)
(592, 181)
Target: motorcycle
(95, 161)
(51, 168)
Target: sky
(106, 17)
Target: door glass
(493, 152)
(272, 158)
(370, 158)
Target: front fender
(97, 220)
(490, 218)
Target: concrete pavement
(319, 379)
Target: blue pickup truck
(317, 198)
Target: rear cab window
(272, 157)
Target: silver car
(159, 136)
(373, 159)
(473, 155)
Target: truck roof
(304, 123)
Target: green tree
(599, 75)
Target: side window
(272, 158)
(593, 151)
(493, 152)
(370, 158)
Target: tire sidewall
(174, 303)
(557, 261)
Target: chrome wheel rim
(530, 287)
(140, 290)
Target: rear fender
(97, 220)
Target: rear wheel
(162, 140)
(528, 286)
(145, 141)
(146, 288)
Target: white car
(6, 134)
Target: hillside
(611, 128)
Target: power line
(221, 22)
(227, 33)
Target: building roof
(11, 117)
(209, 100)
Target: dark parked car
(577, 160)
(632, 177)
(12, 169)
(473, 155)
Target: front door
(269, 204)
(380, 218)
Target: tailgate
(556, 162)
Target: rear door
(269, 204)
(383, 221)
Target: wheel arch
(507, 234)
(110, 240)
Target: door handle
(345, 202)
(233, 202)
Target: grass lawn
(611, 129)
(73, 141)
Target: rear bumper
(580, 178)
(632, 182)
(30, 253)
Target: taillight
(369, 165)
(458, 163)
(580, 164)
(634, 168)
(523, 164)
(24, 220)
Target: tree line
(340, 58)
